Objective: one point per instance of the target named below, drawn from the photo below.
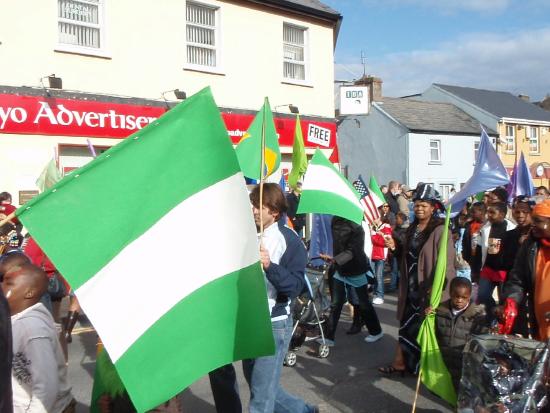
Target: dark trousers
(368, 314)
(225, 389)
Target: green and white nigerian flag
(157, 238)
(327, 191)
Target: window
(533, 139)
(435, 151)
(202, 35)
(81, 26)
(294, 52)
(445, 191)
(510, 145)
(476, 150)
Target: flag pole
(417, 391)
(262, 177)
(7, 219)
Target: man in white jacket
(39, 373)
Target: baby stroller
(308, 312)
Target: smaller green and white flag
(327, 191)
(374, 188)
(50, 175)
(299, 158)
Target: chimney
(525, 98)
(375, 87)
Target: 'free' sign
(318, 135)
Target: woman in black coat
(350, 265)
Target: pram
(308, 313)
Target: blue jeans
(379, 274)
(394, 273)
(263, 376)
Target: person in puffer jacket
(455, 321)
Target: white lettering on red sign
(318, 135)
(66, 117)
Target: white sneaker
(371, 339)
(377, 301)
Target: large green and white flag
(157, 239)
(327, 191)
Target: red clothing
(7, 209)
(38, 258)
(379, 250)
(493, 275)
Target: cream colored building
(124, 52)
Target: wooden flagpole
(262, 177)
(417, 391)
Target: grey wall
(434, 94)
(373, 144)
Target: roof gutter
(334, 18)
(525, 121)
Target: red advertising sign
(40, 115)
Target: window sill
(204, 69)
(534, 153)
(296, 82)
(84, 51)
(510, 152)
(435, 163)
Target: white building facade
(116, 58)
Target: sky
(488, 44)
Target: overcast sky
(488, 44)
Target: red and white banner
(41, 115)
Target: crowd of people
(497, 280)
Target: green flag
(299, 158)
(375, 189)
(49, 176)
(435, 375)
(124, 231)
(327, 191)
(249, 149)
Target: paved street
(345, 382)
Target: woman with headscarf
(417, 254)
(528, 283)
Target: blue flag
(321, 238)
(489, 173)
(521, 182)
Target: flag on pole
(489, 172)
(369, 201)
(49, 176)
(327, 191)
(521, 180)
(299, 158)
(148, 275)
(335, 156)
(249, 149)
(433, 371)
(375, 190)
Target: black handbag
(56, 287)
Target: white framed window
(435, 151)
(81, 26)
(295, 39)
(533, 136)
(202, 33)
(476, 150)
(510, 144)
(445, 191)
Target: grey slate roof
(309, 7)
(500, 104)
(315, 4)
(431, 117)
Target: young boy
(493, 265)
(39, 373)
(456, 320)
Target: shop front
(38, 124)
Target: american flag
(369, 201)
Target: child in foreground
(455, 321)
(39, 373)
